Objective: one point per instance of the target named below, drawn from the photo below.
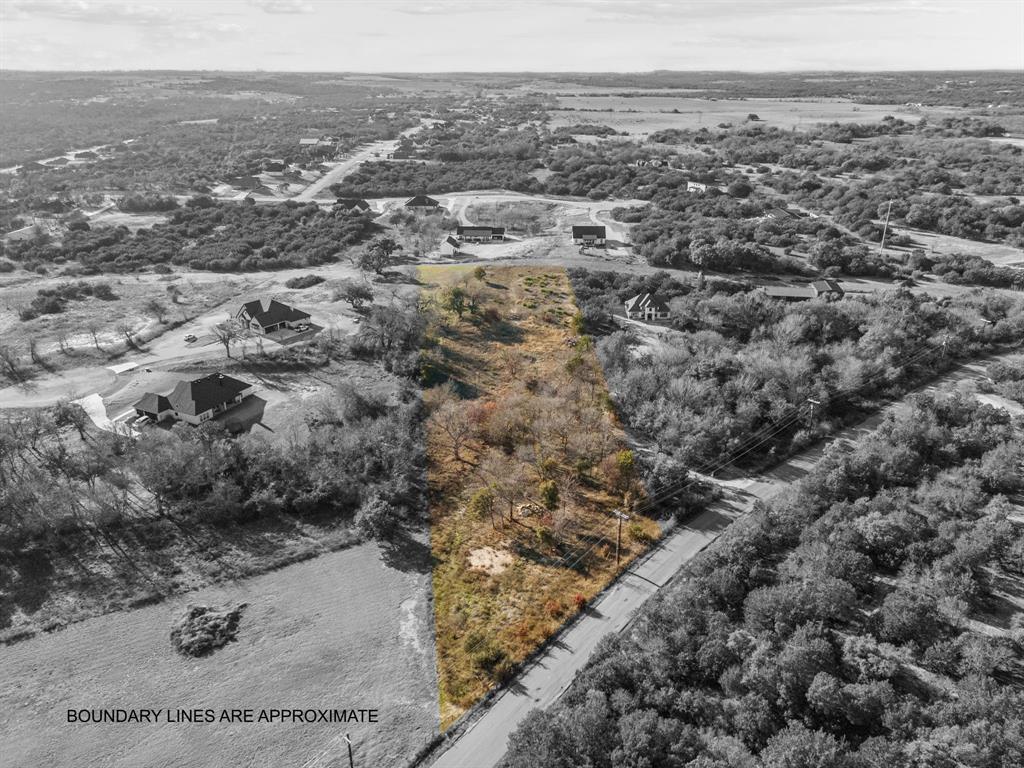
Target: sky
(511, 35)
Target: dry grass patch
(526, 464)
(529, 217)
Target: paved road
(483, 744)
(343, 169)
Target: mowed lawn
(528, 410)
(345, 630)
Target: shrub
(202, 629)
(303, 281)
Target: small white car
(190, 338)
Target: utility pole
(348, 742)
(618, 537)
(885, 228)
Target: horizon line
(6, 70)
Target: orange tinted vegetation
(526, 464)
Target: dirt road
(539, 685)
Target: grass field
(520, 218)
(533, 409)
(346, 630)
(648, 114)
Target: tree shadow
(408, 553)
(25, 581)
(244, 416)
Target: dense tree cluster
(831, 629)
(390, 179)
(209, 235)
(974, 270)
(743, 364)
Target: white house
(588, 235)
(696, 186)
(197, 400)
(647, 306)
(450, 246)
(470, 234)
(422, 203)
(268, 315)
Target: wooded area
(859, 621)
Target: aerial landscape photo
(524, 384)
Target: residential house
(268, 315)
(830, 289)
(471, 234)
(195, 401)
(647, 306)
(827, 289)
(450, 246)
(588, 235)
(352, 204)
(696, 186)
(422, 203)
(274, 165)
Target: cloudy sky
(504, 35)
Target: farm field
(350, 629)
(641, 115)
(522, 479)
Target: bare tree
(451, 418)
(66, 413)
(512, 361)
(9, 363)
(33, 352)
(227, 333)
(63, 343)
(506, 477)
(156, 309)
(93, 329)
(126, 329)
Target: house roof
(308, 142)
(827, 286)
(588, 230)
(353, 202)
(271, 312)
(789, 291)
(452, 241)
(200, 395)
(643, 301)
(153, 403)
(422, 201)
(479, 231)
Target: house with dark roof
(195, 401)
(588, 235)
(830, 289)
(647, 306)
(422, 203)
(450, 246)
(826, 289)
(473, 234)
(269, 315)
(352, 204)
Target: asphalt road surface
(485, 742)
